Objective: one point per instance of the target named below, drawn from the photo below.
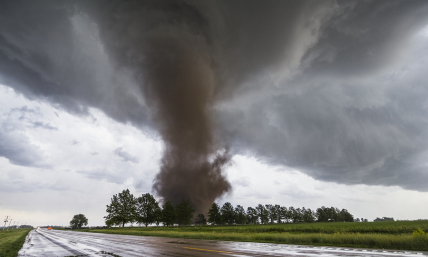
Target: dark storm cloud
(50, 51)
(317, 85)
(356, 111)
(365, 37)
(125, 156)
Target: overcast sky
(318, 103)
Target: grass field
(382, 235)
(11, 241)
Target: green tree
(272, 212)
(110, 223)
(228, 213)
(158, 215)
(325, 214)
(252, 216)
(346, 216)
(184, 212)
(333, 214)
(200, 219)
(322, 214)
(297, 215)
(121, 209)
(285, 214)
(279, 216)
(240, 217)
(308, 215)
(214, 216)
(146, 208)
(78, 221)
(263, 214)
(168, 214)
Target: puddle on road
(178, 242)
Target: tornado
(171, 48)
(180, 87)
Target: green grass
(381, 235)
(11, 241)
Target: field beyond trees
(400, 235)
(12, 241)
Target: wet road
(42, 242)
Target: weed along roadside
(400, 235)
(11, 241)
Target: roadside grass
(399, 235)
(393, 227)
(12, 241)
(385, 227)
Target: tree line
(269, 213)
(125, 208)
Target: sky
(297, 103)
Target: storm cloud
(334, 89)
(125, 156)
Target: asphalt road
(42, 242)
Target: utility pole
(5, 221)
(9, 225)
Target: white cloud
(84, 171)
